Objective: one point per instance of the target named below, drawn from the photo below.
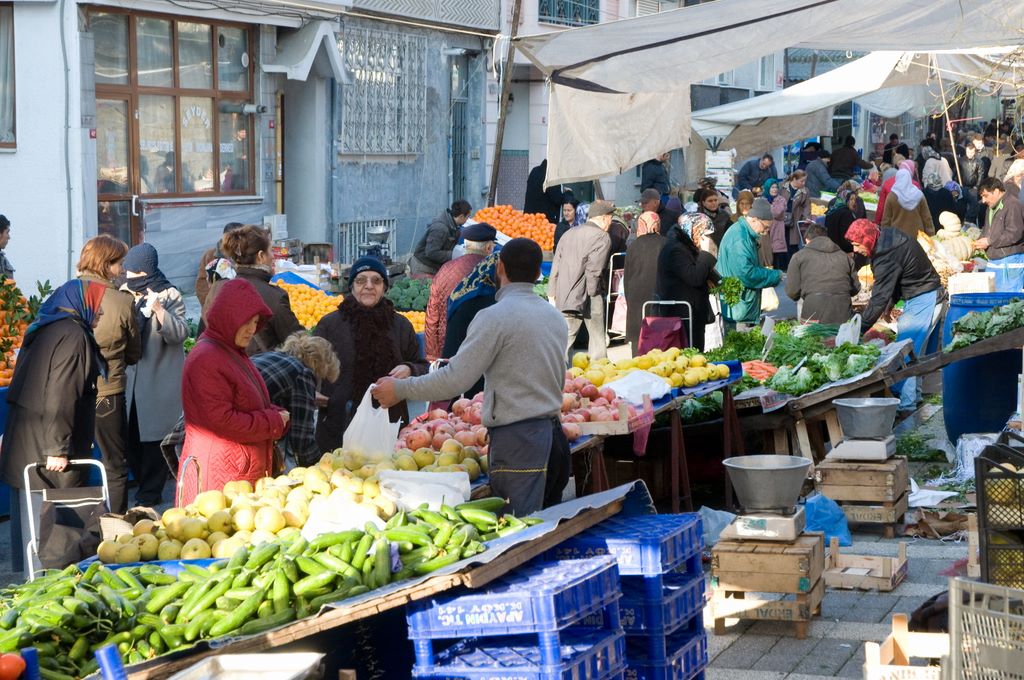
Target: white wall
(33, 186)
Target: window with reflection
(170, 93)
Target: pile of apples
(603, 405)
(446, 442)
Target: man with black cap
(478, 241)
(577, 281)
(738, 258)
(518, 345)
(650, 201)
(435, 248)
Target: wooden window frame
(133, 91)
(14, 88)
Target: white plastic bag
(633, 386)
(849, 332)
(769, 300)
(371, 431)
(410, 489)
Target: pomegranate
(572, 431)
(600, 401)
(579, 383)
(481, 436)
(439, 439)
(439, 414)
(588, 391)
(466, 438)
(418, 439)
(569, 402)
(608, 394)
(460, 405)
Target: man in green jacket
(738, 258)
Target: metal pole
(949, 125)
(506, 87)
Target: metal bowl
(866, 418)
(767, 482)
(378, 234)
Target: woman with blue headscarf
(474, 293)
(52, 398)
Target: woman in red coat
(230, 423)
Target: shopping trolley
(663, 332)
(616, 272)
(60, 517)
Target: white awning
(611, 73)
(314, 47)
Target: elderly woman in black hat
(371, 340)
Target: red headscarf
(864, 232)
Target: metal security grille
(384, 109)
(458, 149)
(570, 12)
(353, 234)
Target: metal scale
(377, 247)
(867, 429)
(767, 487)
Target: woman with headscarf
(640, 278)
(939, 198)
(887, 186)
(230, 423)
(52, 399)
(777, 244)
(371, 340)
(906, 207)
(153, 408)
(685, 271)
(568, 220)
(475, 293)
(935, 166)
(838, 219)
(902, 271)
(710, 203)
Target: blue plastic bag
(824, 514)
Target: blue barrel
(980, 394)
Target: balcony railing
(570, 12)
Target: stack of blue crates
(528, 626)
(662, 603)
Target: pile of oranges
(515, 223)
(14, 319)
(309, 304)
(417, 319)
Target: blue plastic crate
(583, 654)
(172, 567)
(687, 661)
(682, 598)
(540, 597)
(645, 545)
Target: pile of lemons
(674, 366)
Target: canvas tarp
(662, 54)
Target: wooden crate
(891, 659)
(796, 607)
(769, 566)
(623, 424)
(859, 481)
(886, 515)
(862, 572)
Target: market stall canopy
(630, 79)
(312, 47)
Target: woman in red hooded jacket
(230, 423)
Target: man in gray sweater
(518, 346)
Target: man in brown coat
(823, 278)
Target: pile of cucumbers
(68, 614)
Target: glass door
(118, 207)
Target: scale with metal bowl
(767, 487)
(867, 429)
(377, 246)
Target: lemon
(644, 362)
(581, 360)
(595, 376)
(698, 360)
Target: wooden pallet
(862, 572)
(796, 607)
(788, 575)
